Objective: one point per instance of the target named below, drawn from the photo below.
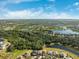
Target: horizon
(39, 19)
(39, 9)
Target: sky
(39, 9)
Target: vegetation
(31, 40)
(34, 35)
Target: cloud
(29, 14)
(19, 1)
(76, 4)
(41, 13)
(26, 14)
(73, 8)
(3, 3)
